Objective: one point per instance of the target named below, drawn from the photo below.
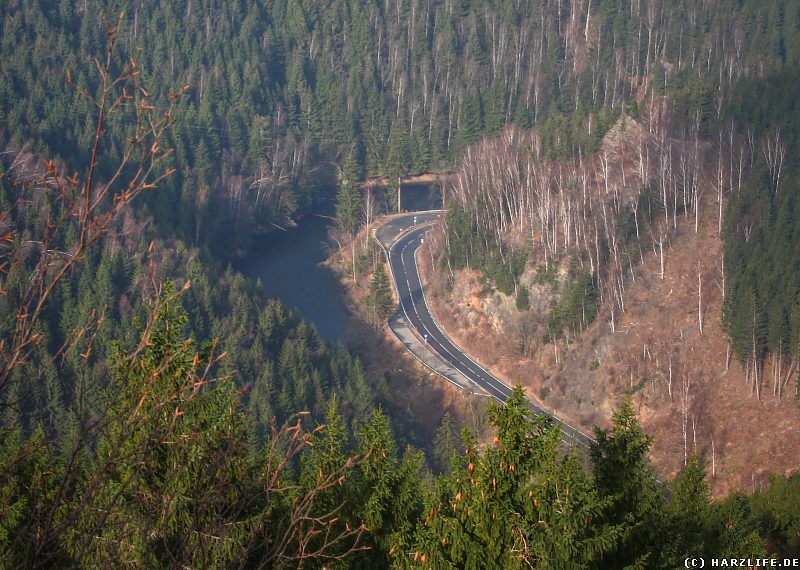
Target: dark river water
(288, 263)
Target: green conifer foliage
(517, 504)
(623, 473)
(348, 198)
(523, 301)
(379, 300)
(688, 513)
(397, 166)
(34, 488)
(169, 464)
(445, 444)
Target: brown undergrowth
(690, 395)
(417, 398)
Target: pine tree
(470, 120)
(419, 154)
(32, 501)
(388, 490)
(732, 529)
(324, 460)
(13, 501)
(495, 105)
(260, 405)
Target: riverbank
(290, 265)
(315, 277)
(418, 398)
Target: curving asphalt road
(406, 234)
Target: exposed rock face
(688, 392)
(624, 131)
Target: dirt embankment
(418, 399)
(423, 178)
(690, 395)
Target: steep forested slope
(565, 234)
(762, 234)
(279, 90)
(143, 387)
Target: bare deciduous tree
(88, 205)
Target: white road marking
(490, 382)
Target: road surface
(403, 236)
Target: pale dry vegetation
(658, 332)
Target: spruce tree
(388, 489)
(348, 198)
(397, 165)
(380, 301)
(623, 472)
(687, 513)
(445, 444)
(169, 465)
(523, 300)
(517, 504)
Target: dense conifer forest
(281, 91)
(157, 410)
